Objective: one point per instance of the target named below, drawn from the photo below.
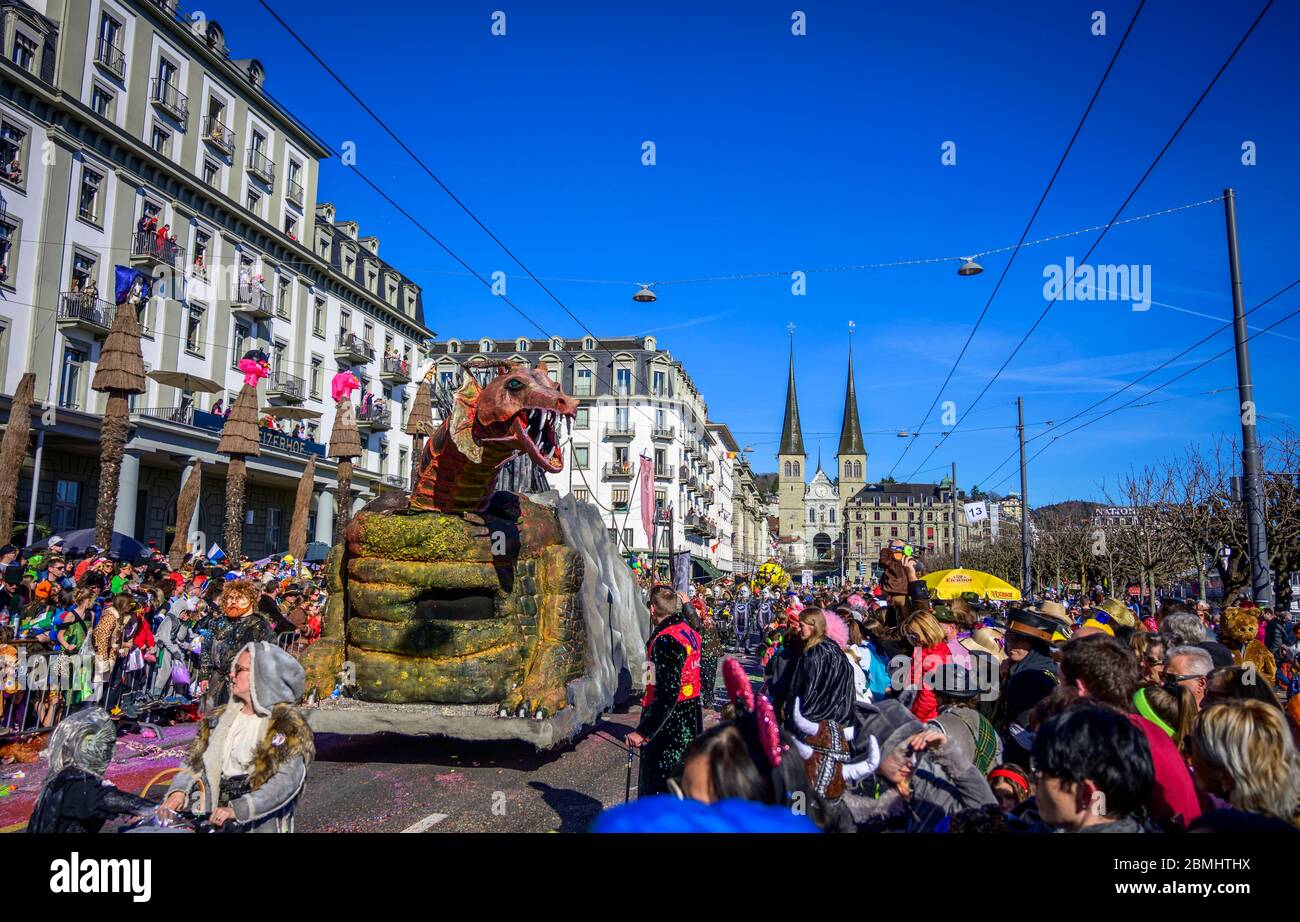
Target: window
(101, 100)
(291, 227)
(812, 516)
(627, 537)
(166, 73)
(661, 500)
(796, 470)
(274, 519)
(240, 344)
(584, 381)
(160, 140)
(317, 375)
(877, 531)
(67, 503)
(277, 354)
(70, 378)
(620, 499)
(8, 234)
(282, 305)
(211, 173)
(583, 419)
(12, 155)
(88, 199)
(623, 381)
(318, 316)
(580, 457)
(830, 516)
(345, 322)
(24, 53)
(582, 495)
(194, 329)
(368, 333)
(259, 143)
(254, 202)
(893, 532)
(83, 270)
(202, 242)
(660, 383)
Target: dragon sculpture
(459, 594)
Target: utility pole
(956, 543)
(1026, 563)
(1261, 583)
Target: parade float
(462, 610)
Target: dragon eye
(515, 384)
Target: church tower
(790, 468)
(851, 454)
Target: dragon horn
(805, 726)
(855, 771)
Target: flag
(647, 476)
(680, 566)
(732, 455)
(126, 279)
(995, 512)
(215, 553)
(976, 512)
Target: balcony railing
(683, 472)
(663, 473)
(170, 98)
(261, 166)
(664, 433)
(149, 247)
(86, 313)
(353, 347)
(584, 390)
(396, 480)
(618, 470)
(111, 58)
(380, 419)
(619, 431)
(286, 387)
(212, 423)
(293, 191)
(252, 300)
(218, 134)
(395, 369)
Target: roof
(850, 427)
(791, 432)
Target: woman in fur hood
(250, 757)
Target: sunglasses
(1173, 677)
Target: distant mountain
(1073, 509)
(765, 483)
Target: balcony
(692, 522)
(708, 527)
(151, 250)
(374, 419)
(693, 483)
(683, 472)
(663, 433)
(707, 494)
(111, 58)
(251, 300)
(618, 470)
(260, 165)
(90, 315)
(169, 98)
(397, 481)
(211, 425)
(218, 134)
(395, 370)
(353, 348)
(293, 192)
(663, 473)
(709, 467)
(619, 432)
(286, 388)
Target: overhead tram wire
(1166, 363)
(432, 175)
(1078, 128)
(1159, 387)
(1102, 236)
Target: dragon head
(521, 408)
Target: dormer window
(588, 344)
(521, 345)
(557, 344)
(453, 346)
(485, 345)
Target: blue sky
(777, 153)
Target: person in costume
(75, 796)
(1239, 631)
(822, 678)
(237, 624)
(956, 691)
(249, 760)
(670, 711)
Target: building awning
(702, 569)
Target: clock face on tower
(821, 491)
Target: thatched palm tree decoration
(120, 374)
(301, 509)
(345, 444)
(419, 424)
(239, 439)
(13, 448)
(186, 503)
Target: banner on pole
(995, 512)
(647, 476)
(976, 512)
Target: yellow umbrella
(949, 584)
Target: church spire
(850, 428)
(791, 432)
